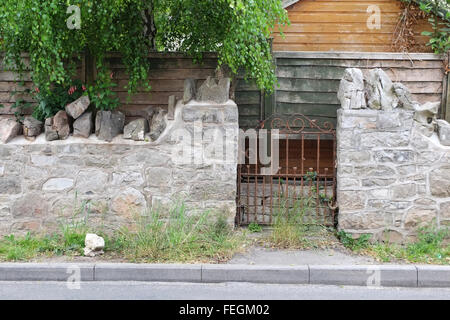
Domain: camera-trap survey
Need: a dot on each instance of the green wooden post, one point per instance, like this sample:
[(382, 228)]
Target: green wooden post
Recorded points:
[(447, 93)]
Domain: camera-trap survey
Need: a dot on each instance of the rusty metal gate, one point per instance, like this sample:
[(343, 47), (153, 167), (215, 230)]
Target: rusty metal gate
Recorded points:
[(304, 183)]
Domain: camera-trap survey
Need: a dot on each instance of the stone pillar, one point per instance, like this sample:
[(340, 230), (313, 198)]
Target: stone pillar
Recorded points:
[(392, 179)]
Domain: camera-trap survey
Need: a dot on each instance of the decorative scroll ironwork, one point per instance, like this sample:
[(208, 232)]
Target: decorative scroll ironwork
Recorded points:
[(295, 124)]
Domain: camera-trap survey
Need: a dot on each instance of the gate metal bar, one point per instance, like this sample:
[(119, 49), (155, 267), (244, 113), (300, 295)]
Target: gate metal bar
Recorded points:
[(304, 185)]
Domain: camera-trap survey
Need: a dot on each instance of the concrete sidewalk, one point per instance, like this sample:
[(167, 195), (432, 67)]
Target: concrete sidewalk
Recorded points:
[(359, 275)]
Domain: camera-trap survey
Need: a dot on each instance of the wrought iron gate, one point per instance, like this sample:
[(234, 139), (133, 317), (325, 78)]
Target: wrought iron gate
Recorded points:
[(304, 184)]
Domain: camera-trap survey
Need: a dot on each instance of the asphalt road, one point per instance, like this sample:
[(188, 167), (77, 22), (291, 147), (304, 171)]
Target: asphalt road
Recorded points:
[(221, 291)]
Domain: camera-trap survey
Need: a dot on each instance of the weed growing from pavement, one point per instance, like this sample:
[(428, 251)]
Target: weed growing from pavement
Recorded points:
[(296, 227), (255, 227), (354, 244), (162, 235), (432, 246), (176, 236)]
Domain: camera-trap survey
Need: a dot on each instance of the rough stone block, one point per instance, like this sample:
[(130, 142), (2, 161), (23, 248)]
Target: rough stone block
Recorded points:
[(32, 127), (83, 126), (388, 121), (136, 130), (443, 132), (417, 217), (190, 89), (351, 90), (395, 156), (109, 124), (404, 191), (78, 107), (58, 184), (158, 124), (364, 220), (9, 129), (440, 182), (380, 91), (57, 127), (211, 91)]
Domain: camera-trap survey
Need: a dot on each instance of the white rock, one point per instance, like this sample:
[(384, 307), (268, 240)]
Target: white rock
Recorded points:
[(351, 90), (380, 91), (94, 245), (443, 132), (9, 129)]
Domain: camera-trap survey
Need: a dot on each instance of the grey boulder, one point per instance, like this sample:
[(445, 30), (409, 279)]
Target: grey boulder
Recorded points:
[(83, 126), (189, 90), (32, 127), (78, 107), (158, 124), (351, 90), (211, 91), (404, 96), (380, 91), (109, 124), (443, 128), (57, 127), (136, 130), (9, 129)]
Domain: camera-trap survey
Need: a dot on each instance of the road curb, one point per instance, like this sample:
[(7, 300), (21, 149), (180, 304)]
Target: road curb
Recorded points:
[(355, 275), (46, 272), (257, 274)]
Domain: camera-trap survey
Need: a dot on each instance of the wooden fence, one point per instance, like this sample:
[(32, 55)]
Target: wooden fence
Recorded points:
[(167, 74), (308, 82)]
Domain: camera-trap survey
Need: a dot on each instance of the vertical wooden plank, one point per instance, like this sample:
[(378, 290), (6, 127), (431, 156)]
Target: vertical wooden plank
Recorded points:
[(83, 68), (447, 94), (262, 102), (90, 68)]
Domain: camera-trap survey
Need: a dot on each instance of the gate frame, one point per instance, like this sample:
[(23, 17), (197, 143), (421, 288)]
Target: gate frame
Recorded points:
[(290, 127)]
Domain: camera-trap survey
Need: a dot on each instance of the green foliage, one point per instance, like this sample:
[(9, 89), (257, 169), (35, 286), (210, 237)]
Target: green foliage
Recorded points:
[(430, 247), (50, 102), (439, 18), (39, 28), (254, 227), (354, 244), (440, 36), (69, 241), (237, 30)]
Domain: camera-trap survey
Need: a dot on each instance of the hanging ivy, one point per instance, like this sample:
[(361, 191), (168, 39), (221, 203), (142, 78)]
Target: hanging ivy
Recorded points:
[(238, 30)]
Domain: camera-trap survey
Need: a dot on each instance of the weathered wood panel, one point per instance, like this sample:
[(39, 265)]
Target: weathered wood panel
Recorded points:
[(308, 82), (342, 25), (167, 75)]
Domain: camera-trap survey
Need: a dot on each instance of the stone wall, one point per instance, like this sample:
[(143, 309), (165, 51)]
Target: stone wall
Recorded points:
[(393, 169), (42, 182)]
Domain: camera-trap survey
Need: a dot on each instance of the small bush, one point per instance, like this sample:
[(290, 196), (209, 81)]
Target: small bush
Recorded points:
[(354, 244), (254, 227)]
